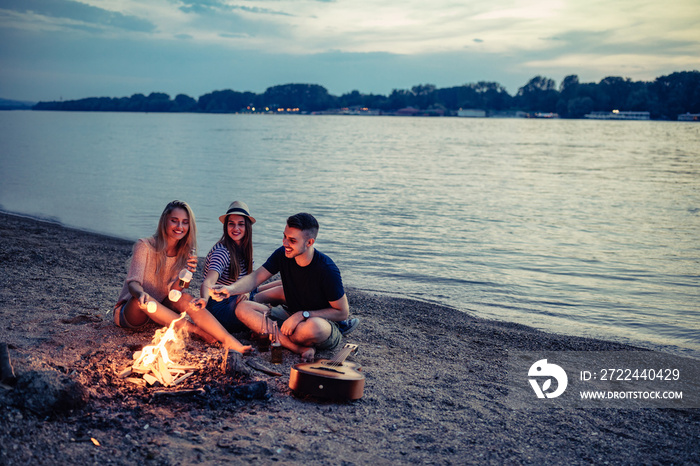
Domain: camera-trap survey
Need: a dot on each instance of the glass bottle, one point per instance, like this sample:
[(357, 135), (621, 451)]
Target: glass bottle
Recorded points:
[(264, 341), (276, 351)]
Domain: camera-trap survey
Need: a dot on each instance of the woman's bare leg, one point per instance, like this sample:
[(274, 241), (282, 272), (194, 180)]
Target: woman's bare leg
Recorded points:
[(207, 324), (163, 315), (271, 294)]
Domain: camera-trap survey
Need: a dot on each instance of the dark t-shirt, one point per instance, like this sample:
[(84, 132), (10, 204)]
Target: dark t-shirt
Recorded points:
[(307, 288)]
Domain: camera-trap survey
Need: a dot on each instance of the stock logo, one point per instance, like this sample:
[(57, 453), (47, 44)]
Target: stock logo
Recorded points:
[(542, 369)]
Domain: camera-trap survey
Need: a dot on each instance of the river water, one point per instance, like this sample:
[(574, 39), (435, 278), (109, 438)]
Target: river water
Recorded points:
[(581, 227)]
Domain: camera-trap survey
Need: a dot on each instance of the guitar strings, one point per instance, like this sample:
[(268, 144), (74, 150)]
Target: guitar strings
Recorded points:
[(340, 357)]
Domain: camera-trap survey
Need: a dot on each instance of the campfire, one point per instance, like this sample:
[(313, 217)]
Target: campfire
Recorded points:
[(157, 365), (158, 362)]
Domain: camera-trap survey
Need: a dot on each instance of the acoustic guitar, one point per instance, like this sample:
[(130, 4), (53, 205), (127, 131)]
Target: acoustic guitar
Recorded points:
[(329, 378)]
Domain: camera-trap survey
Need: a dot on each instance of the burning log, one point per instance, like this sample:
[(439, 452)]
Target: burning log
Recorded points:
[(136, 381), (154, 362), (231, 363), (164, 393), (259, 367), (161, 372), (225, 360), (176, 367), (180, 379), (165, 375), (151, 380)]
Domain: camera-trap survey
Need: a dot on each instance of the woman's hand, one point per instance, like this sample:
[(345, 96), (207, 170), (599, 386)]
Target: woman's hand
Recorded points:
[(198, 304), (219, 292), (192, 263), (144, 298)]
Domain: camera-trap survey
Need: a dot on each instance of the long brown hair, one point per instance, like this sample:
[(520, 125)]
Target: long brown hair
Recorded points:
[(236, 252), (184, 246)]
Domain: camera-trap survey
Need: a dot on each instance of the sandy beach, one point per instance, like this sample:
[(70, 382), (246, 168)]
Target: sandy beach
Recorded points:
[(436, 383)]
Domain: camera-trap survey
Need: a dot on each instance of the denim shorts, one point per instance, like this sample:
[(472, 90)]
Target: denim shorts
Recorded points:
[(225, 313), (120, 318)]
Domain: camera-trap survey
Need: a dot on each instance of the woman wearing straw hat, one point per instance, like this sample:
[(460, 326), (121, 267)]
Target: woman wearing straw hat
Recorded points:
[(154, 267), (230, 259)]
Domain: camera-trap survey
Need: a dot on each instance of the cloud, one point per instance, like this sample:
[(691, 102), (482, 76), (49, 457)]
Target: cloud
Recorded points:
[(392, 26), (93, 18), (218, 6), (258, 10), (233, 35), (195, 46), (200, 6)]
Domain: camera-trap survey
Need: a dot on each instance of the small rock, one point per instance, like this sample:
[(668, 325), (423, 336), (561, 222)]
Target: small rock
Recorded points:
[(49, 392), (251, 391)]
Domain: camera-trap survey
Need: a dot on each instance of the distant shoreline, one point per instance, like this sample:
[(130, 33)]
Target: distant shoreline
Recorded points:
[(682, 118), (666, 98)]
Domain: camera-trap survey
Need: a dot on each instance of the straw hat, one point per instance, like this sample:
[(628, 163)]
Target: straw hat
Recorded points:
[(237, 208)]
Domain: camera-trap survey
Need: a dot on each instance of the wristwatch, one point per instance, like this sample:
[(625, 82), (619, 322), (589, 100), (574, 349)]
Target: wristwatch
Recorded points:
[(306, 314)]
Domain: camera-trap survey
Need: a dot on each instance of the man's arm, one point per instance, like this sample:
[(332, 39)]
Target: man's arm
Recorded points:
[(243, 285), (338, 310)]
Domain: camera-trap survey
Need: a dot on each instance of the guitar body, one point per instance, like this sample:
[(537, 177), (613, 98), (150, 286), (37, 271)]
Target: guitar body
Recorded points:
[(328, 379)]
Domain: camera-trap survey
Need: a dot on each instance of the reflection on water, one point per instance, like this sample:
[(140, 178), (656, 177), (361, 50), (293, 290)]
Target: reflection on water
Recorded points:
[(582, 227)]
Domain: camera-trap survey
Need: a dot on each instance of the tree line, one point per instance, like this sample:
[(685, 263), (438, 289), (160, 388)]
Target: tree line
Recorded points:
[(665, 98)]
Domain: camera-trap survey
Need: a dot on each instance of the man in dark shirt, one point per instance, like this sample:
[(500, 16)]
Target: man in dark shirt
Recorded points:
[(312, 290)]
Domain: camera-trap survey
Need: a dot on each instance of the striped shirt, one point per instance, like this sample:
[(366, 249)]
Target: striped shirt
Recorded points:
[(219, 260)]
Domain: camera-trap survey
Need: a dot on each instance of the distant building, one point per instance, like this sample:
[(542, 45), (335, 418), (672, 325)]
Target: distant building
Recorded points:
[(618, 115), (508, 114), (356, 110), (544, 115), (471, 113), (408, 111), (689, 117)]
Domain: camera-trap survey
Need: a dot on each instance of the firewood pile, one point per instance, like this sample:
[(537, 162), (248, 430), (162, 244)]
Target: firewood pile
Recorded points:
[(155, 363)]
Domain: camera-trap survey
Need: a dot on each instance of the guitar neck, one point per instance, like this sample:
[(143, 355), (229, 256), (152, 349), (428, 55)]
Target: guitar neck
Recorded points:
[(344, 353)]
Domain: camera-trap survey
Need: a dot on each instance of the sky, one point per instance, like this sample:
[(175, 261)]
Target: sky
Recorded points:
[(65, 49)]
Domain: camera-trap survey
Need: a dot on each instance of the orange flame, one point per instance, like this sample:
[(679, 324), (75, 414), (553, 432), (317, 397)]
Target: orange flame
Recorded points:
[(150, 354)]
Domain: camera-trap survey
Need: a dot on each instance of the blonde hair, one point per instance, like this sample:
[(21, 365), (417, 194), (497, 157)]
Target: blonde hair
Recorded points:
[(184, 246)]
